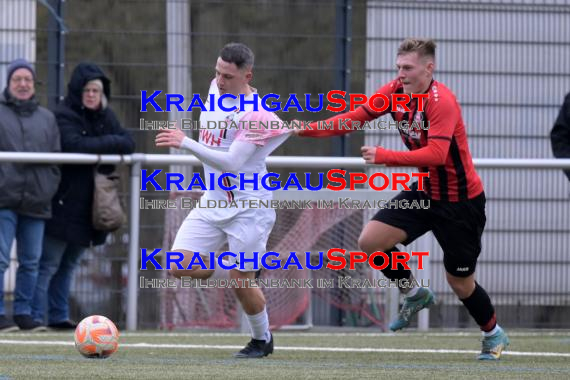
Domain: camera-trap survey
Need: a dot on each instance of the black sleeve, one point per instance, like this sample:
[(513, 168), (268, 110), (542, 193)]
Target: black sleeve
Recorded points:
[(55, 147), (124, 138), (55, 144), (118, 141), (560, 134)]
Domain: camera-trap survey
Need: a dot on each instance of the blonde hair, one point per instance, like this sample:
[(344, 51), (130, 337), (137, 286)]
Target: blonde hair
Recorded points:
[(99, 83), (424, 47)]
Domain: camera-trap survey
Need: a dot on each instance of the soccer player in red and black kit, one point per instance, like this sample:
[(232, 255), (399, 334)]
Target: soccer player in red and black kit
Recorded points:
[(457, 201)]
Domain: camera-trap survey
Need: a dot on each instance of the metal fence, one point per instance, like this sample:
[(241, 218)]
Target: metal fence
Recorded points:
[(542, 292), (507, 62)]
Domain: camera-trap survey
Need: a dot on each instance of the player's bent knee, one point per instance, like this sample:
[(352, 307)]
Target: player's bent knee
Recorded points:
[(378, 236), (463, 287), (237, 274), (178, 273), (371, 244), (365, 244), (174, 273), (181, 266), (194, 273)]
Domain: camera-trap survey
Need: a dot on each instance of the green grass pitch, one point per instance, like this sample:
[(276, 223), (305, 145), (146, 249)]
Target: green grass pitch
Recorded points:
[(309, 355)]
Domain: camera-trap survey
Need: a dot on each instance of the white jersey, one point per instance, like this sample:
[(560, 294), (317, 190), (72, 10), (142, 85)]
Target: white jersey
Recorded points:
[(223, 135)]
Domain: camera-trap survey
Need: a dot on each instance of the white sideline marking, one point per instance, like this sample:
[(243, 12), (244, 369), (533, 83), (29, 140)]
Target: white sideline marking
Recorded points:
[(355, 334), (289, 348), (285, 334)]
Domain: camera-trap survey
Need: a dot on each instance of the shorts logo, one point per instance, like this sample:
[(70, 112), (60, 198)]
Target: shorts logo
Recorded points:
[(462, 269)]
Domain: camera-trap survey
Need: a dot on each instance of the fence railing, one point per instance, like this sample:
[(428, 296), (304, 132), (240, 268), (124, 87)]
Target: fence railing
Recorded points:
[(136, 162)]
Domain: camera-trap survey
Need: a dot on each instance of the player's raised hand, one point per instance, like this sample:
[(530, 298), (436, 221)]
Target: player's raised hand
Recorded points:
[(171, 138), (369, 154)]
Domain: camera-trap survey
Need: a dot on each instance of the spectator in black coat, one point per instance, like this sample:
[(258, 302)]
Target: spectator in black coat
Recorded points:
[(560, 134), (87, 125)]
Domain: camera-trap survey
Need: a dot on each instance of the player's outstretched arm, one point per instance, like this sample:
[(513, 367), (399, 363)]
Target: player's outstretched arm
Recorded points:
[(434, 154), (349, 121), (337, 125), (230, 161), (369, 154), (445, 116)]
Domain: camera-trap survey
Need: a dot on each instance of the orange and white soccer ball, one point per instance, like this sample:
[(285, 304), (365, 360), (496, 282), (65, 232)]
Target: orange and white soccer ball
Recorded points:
[(96, 337)]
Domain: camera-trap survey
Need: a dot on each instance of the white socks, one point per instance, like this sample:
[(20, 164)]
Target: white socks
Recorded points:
[(413, 291), (259, 324), (492, 332)]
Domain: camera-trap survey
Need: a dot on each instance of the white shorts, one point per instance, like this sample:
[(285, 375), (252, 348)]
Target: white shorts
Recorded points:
[(245, 231)]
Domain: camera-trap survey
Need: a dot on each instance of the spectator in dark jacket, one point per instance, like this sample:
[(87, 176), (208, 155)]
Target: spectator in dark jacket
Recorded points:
[(26, 190), (87, 125), (560, 134)]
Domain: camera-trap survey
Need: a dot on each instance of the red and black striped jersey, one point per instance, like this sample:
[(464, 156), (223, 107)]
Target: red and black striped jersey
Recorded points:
[(436, 139)]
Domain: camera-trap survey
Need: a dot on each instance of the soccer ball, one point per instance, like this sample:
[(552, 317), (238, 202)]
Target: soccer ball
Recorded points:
[(96, 337)]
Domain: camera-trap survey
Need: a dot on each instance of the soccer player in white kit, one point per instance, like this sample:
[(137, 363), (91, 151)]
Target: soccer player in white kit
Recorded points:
[(236, 151)]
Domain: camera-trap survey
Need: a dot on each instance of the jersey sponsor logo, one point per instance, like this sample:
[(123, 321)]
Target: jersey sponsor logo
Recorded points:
[(208, 138)]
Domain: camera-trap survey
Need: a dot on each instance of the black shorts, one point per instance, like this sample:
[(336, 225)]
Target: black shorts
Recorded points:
[(457, 226)]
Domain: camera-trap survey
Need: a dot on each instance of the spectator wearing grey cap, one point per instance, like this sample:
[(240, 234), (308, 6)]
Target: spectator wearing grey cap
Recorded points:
[(26, 190)]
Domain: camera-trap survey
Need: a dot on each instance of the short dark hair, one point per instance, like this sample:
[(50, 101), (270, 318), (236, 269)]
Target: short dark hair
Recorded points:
[(237, 53), (424, 47)]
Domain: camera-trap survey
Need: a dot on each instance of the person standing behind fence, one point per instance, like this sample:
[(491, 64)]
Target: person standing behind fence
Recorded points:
[(560, 134), (26, 190), (87, 125)]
